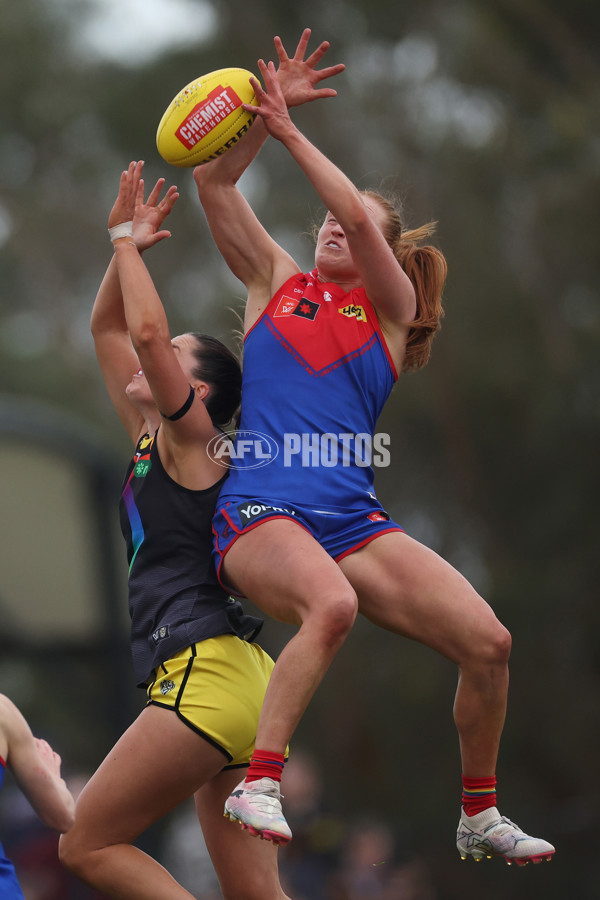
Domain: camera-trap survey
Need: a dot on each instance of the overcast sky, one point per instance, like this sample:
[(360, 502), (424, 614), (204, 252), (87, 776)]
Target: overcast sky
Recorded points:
[(138, 29)]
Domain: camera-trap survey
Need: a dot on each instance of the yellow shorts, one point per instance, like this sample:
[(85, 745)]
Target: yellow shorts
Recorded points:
[(217, 687)]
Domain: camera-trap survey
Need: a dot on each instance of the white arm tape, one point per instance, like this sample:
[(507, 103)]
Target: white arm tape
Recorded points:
[(123, 229)]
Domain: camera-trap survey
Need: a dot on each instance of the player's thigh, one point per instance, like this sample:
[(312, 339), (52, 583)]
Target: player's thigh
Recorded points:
[(407, 588), (246, 866), (286, 572), (154, 766)]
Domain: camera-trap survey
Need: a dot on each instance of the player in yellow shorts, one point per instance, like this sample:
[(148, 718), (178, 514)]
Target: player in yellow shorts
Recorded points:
[(192, 644), (217, 688)]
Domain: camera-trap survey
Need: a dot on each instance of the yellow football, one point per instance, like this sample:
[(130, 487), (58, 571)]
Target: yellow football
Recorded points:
[(206, 118)]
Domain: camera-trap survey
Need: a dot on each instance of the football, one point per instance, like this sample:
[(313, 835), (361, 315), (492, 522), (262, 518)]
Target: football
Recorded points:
[(206, 118)]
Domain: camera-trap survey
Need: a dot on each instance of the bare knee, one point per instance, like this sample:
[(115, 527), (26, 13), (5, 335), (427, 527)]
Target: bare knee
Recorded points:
[(501, 645), (335, 617), (492, 649), (72, 853)]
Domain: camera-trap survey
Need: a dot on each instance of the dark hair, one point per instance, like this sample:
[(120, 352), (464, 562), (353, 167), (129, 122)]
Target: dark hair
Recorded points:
[(221, 370), (426, 267)]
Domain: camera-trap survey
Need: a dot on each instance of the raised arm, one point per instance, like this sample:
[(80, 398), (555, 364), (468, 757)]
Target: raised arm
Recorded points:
[(36, 768), (114, 350), (387, 286), (252, 255), (181, 441)]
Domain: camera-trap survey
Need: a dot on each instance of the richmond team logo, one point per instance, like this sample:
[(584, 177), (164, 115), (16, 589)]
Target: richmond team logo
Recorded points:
[(160, 633)]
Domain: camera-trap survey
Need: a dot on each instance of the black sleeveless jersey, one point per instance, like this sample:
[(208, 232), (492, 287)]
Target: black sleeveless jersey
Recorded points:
[(174, 597)]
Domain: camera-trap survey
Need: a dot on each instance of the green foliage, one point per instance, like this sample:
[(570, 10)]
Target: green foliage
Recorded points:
[(485, 118)]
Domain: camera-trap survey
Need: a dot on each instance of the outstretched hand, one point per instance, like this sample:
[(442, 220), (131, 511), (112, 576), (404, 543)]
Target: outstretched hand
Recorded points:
[(298, 82), (272, 107), (147, 217), (293, 83), (298, 77)]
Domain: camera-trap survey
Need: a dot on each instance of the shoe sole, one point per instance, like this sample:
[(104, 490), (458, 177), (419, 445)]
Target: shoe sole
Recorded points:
[(266, 835), (518, 861)]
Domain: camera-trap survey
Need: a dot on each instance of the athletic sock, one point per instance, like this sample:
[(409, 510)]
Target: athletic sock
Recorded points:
[(478, 794), (265, 764)]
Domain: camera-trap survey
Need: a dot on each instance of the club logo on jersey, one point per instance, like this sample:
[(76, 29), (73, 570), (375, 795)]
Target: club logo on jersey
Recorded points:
[(252, 509), (291, 306), (380, 516), (167, 685), (160, 633), (286, 306), (141, 468), (354, 312), (306, 309)]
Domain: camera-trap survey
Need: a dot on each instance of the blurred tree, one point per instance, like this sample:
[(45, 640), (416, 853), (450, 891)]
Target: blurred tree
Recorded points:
[(485, 118)]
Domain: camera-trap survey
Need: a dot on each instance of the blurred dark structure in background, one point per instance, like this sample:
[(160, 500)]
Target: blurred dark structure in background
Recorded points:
[(481, 116)]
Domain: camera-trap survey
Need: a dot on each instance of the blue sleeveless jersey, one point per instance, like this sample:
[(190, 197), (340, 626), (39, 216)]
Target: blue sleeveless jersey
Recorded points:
[(316, 374), (9, 885)]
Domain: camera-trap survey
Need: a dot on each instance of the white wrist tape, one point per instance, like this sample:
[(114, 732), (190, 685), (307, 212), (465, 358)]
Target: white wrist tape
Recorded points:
[(123, 229)]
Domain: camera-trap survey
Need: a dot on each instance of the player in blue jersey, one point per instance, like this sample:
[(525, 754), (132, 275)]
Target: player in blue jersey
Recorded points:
[(298, 527), (36, 769)]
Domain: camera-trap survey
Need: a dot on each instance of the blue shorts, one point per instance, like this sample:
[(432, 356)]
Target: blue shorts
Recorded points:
[(339, 530)]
